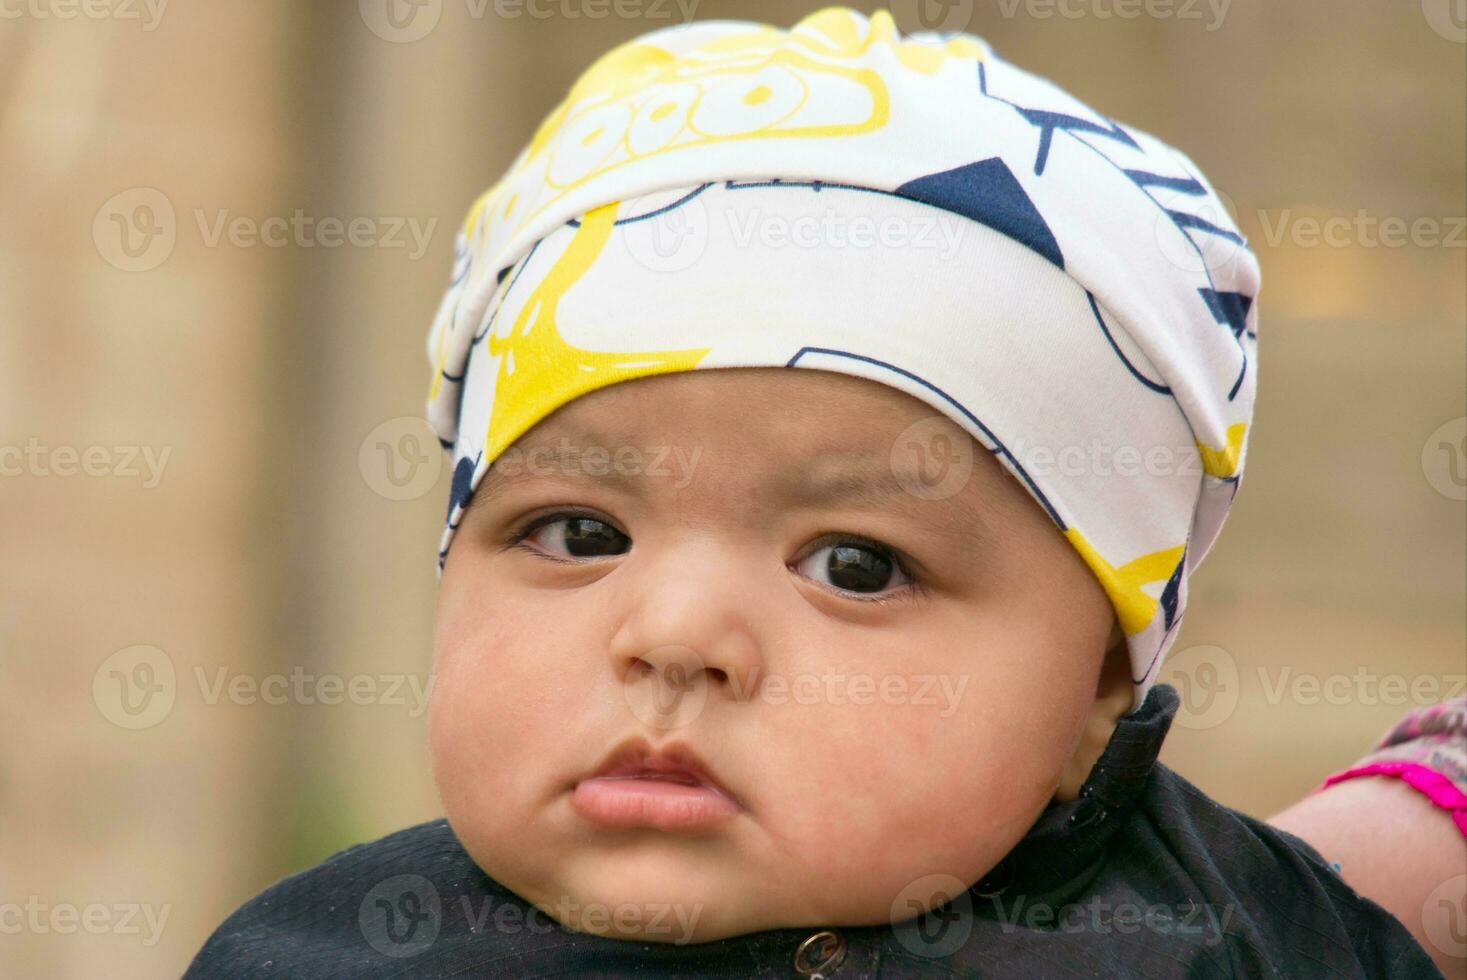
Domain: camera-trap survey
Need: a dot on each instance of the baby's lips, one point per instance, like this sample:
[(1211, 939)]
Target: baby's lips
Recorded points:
[(675, 763), (668, 789)]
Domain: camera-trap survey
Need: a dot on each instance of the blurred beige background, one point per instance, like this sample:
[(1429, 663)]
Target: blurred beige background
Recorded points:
[(205, 416)]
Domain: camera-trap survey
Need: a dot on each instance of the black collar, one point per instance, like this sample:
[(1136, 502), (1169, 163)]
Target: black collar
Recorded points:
[(1066, 847)]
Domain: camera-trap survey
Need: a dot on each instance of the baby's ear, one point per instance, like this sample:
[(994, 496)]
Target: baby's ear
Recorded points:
[(1112, 700)]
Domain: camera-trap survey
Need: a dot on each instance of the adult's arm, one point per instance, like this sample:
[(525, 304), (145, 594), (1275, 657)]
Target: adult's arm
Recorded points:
[(1396, 825)]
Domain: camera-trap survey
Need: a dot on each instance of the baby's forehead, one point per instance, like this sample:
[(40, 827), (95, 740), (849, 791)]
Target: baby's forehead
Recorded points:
[(783, 415), (781, 454)]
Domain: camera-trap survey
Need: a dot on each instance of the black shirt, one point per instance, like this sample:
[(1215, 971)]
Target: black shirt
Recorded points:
[(1141, 876)]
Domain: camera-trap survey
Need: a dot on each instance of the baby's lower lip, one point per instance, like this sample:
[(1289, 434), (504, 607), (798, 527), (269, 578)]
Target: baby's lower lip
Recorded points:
[(648, 801)]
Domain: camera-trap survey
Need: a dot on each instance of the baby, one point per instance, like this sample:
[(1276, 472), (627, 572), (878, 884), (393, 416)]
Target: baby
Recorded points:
[(837, 418)]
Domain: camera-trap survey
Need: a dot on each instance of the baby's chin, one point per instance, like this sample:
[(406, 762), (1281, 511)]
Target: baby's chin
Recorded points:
[(661, 891), (649, 890), (652, 906)]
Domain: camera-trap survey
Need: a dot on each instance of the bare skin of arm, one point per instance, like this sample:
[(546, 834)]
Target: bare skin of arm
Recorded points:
[(1396, 849)]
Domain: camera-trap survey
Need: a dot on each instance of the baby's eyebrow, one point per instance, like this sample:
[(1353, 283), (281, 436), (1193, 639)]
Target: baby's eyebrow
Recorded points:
[(859, 480), (868, 482), (566, 460), (841, 478)]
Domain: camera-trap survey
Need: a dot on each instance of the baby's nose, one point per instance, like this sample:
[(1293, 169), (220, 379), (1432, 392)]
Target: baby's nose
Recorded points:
[(676, 665), (688, 628), (730, 667), (669, 686)]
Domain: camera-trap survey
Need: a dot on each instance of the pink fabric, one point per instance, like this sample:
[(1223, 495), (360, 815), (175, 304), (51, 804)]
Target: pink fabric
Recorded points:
[(1440, 790)]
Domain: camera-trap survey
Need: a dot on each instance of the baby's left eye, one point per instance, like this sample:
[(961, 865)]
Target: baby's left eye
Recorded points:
[(571, 536), (853, 567)]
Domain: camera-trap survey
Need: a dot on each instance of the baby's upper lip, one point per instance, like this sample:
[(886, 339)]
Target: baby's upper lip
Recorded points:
[(676, 761)]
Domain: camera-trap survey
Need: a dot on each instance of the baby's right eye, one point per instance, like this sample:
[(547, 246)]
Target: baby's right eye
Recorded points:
[(571, 536)]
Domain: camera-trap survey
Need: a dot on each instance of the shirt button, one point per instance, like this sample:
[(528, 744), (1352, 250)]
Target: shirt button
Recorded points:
[(820, 953)]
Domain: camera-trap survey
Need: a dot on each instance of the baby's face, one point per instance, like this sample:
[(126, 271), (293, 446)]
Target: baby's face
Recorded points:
[(770, 677)]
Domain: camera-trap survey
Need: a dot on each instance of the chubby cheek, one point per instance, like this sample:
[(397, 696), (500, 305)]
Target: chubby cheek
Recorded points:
[(497, 697), (943, 779)]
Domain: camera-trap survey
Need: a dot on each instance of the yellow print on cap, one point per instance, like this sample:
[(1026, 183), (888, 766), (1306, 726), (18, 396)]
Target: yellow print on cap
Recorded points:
[(1134, 608), (538, 371), (640, 100), (1224, 462)]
